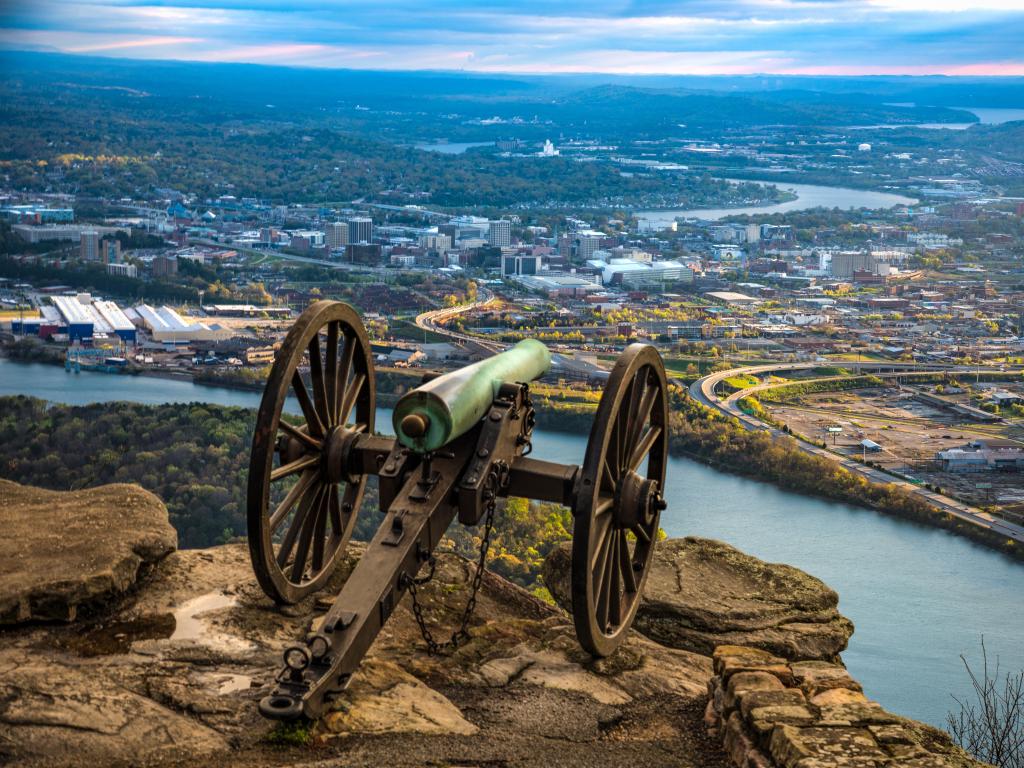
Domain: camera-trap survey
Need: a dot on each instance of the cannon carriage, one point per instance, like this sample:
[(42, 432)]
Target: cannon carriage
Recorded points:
[(462, 441)]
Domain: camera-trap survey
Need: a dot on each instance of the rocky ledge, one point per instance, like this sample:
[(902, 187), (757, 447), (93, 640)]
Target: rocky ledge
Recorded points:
[(168, 672), (703, 593), (61, 551)]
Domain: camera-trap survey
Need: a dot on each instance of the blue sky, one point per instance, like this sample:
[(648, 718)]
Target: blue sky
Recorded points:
[(840, 37)]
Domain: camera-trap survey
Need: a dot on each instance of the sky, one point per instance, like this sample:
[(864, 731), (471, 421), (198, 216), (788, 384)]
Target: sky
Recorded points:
[(700, 37)]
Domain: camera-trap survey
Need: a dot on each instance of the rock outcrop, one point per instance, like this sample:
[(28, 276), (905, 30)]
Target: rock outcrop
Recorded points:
[(63, 550), (703, 593), (170, 674), (167, 671)]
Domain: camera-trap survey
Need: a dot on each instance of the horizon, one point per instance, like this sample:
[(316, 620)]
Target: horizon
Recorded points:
[(787, 38)]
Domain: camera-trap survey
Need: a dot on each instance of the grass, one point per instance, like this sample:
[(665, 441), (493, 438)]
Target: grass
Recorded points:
[(741, 382), (293, 734)]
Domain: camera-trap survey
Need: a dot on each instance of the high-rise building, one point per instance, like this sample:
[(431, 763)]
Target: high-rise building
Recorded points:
[(586, 242), (336, 235), (435, 242), (499, 233), (360, 230), (845, 263), (110, 251), (520, 264), (164, 266), (90, 245), (452, 230), (363, 253)]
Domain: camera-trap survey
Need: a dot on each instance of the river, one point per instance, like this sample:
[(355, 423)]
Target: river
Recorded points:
[(452, 148), (918, 596), (807, 196)]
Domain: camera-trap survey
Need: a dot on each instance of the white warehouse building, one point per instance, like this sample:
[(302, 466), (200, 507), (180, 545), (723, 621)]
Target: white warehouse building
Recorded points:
[(167, 326)]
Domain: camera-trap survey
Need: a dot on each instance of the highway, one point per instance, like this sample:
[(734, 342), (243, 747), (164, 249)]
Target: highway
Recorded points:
[(703, 391), (561, 365)]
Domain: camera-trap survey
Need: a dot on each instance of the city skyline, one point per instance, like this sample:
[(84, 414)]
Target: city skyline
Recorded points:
[(793, 37)]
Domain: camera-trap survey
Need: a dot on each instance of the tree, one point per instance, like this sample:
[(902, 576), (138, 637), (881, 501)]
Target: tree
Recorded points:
[(992, 726)]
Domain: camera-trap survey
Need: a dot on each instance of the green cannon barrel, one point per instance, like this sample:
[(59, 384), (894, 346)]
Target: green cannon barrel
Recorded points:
[(437, 412)]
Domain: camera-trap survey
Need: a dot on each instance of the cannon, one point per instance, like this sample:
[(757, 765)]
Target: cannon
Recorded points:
[(462, 441)]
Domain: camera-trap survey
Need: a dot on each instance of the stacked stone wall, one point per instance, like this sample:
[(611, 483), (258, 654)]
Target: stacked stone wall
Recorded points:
[(773, 713)]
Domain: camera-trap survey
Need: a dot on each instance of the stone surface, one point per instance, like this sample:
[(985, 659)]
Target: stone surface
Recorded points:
[(703, 593), (170, 675), (64, 550), (774, 714)]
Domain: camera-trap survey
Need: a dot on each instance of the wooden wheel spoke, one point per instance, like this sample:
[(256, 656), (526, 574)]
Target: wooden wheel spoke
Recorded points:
[(643, 412), (316, 427), (608, 481), (642, 536), (601, 527), (631, 413), (292, 534), (349, 399), (626, 566), (344, 371), (614, 605), (298, 434), (292, 467), (316, 377), (309, 524), (331, 373), (644, 447), (603, 593), (334, 512), (294, 495), (320, 531)]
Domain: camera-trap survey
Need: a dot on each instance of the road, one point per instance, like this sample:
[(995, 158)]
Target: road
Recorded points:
[(561, 365), (703, 391)]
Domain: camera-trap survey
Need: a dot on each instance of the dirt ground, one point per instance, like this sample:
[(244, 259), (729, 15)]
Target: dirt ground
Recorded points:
[(910, 434)]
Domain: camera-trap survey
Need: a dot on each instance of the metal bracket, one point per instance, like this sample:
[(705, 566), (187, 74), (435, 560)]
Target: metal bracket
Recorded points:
[(396, 531), (342, 621)]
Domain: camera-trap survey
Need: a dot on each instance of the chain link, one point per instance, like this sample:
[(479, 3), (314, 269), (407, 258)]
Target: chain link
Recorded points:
[(460, 635)]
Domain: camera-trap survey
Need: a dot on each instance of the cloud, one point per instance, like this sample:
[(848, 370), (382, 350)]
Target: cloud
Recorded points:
[(655, 36)]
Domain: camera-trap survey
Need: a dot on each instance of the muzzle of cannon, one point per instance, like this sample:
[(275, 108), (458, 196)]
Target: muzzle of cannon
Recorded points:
[(462, 443)]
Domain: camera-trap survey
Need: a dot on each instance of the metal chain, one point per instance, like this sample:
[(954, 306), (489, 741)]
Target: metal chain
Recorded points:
[(460, 635)]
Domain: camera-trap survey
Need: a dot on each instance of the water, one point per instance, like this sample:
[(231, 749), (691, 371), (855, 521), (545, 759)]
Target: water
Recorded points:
[(925, 126), (808, 196), (995, 115), (918, 596), (456, 148)]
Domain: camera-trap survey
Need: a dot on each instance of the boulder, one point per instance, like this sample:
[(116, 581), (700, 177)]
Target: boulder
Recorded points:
[(64, 550), (703, 593)]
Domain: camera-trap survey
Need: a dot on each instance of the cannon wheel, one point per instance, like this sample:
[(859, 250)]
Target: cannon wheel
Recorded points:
[(301, 504), (619, 500)]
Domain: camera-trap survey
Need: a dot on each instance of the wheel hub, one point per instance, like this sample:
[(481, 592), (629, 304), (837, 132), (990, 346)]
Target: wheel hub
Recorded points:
[(638, 501), (338, 447)]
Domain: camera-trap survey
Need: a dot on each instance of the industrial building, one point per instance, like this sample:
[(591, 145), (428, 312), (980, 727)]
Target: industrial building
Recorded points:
[(168, 327), (76, 317), (633, 273), (116, 319), (983, 455)]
